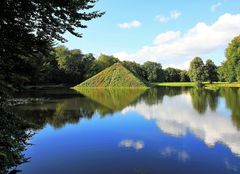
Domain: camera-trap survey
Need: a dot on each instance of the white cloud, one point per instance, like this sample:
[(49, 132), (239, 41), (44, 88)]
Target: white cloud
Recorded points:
[(128, 143), (182, 155), (176, 49), (167, 37), (173, 15), (128, 25), (214, 7), (177, 120)]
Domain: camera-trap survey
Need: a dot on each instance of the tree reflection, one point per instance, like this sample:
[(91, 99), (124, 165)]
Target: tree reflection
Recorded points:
[(106, 101), (232, 98), (201, 99), (14, 135), (58, 113), (212, 98)]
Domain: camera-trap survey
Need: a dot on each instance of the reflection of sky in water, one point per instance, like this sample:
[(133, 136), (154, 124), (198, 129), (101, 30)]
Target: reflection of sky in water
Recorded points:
[(128, 143), (167, 137), (181, 155), (222, 110), (177, 116)]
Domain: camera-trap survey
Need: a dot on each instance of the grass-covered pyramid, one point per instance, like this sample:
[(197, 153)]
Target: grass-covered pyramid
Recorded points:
[(116, 76)]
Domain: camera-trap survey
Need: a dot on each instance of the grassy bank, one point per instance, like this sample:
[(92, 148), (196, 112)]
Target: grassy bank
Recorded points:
[(184, 84), (206, 84)]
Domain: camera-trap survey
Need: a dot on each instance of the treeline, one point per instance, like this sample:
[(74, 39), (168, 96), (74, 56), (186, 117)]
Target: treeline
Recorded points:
[(64, 66), (228, 71), (72, 67)]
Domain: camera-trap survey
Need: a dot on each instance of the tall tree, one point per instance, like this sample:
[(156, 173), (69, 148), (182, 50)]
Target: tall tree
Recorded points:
[(211, 71), (184, 77), (172, 75), (105, 61), (29, 28), (222, 72), (233, 60), (197, 70), (154, 71), (135, 68)]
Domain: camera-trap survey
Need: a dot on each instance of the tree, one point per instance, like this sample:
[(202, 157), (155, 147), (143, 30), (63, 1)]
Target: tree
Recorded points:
[(154, 72), (233, 60), (197, 70), (172, 75), (70, 62), (211, 71), (222, 72), (28, 28), (184, 77), (105, 61), (14, 134), (89, 66), (135, 68), (76, 65)]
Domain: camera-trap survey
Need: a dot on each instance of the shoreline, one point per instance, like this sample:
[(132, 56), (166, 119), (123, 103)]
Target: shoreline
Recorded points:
[(207, 85)]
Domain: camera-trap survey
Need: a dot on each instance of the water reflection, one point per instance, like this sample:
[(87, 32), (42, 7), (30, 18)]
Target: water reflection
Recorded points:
[(175, 111), (113, 99), (230, 166), (189, 112), (129, 143), (71, 110), (181, 155)]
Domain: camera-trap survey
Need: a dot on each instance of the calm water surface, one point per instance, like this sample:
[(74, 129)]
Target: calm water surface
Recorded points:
[(162, 130)]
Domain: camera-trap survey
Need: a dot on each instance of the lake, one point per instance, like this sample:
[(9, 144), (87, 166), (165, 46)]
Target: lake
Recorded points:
[(160, 130)]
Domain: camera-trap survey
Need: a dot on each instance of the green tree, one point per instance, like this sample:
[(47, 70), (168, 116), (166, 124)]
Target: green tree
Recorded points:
[(49, 71), (222, 72), (76, 65), (105, 61), (172, 75), (70, 62), (135, 68), (28, 29), (233, 60), (154, 72), (89, 66), (197, 70), (211, 71), (184, 77)]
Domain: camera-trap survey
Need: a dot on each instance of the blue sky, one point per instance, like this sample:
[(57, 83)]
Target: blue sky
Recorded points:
[(169, 32)]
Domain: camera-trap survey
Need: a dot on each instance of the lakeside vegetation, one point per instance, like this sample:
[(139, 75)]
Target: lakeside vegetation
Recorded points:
[(29, 32), (207, 85)]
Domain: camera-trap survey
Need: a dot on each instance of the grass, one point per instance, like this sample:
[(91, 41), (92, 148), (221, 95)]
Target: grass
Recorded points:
[(116, 76), (187, 84), (207, 85)]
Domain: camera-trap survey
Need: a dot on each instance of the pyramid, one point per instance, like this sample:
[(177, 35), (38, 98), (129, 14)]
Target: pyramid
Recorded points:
[(116, 76)]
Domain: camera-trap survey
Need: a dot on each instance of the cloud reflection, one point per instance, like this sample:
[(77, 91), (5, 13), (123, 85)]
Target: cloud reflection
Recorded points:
[(128, 143), (182, 155), (230, 166), (176, 116)]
